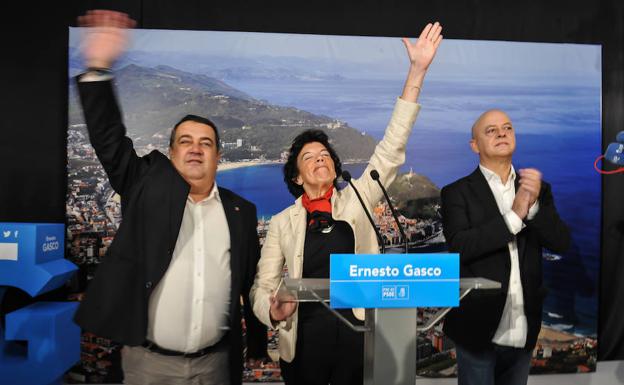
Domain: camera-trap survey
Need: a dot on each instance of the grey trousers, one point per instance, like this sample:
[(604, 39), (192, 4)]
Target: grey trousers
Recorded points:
[(143, 367)]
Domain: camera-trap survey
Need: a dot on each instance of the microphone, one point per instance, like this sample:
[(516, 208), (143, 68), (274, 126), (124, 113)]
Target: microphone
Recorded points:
[(346, 176), (375, 175), (615, 152)]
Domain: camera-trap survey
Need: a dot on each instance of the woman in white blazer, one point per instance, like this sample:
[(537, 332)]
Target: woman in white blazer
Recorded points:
[(314, 346)]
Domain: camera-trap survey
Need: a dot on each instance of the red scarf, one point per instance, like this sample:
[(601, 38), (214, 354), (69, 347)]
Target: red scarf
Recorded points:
[(321, 206)]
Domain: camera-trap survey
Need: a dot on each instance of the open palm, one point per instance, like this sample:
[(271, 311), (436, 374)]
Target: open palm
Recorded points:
[(422, 52), (105, 37)]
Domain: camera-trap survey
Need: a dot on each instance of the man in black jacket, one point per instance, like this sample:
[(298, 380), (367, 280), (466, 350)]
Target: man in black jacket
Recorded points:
[(170, 285), (499, 221)]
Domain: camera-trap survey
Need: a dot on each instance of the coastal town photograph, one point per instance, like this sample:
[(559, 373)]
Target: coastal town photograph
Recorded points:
[(261, 90)]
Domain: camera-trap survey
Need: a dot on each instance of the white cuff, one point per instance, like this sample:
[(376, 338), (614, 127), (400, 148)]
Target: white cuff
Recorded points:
[(95, 76), (533, 210), (513, 221)]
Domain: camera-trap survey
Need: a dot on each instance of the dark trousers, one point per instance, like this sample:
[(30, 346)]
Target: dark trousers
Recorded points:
[(497, 365), (327, 352)]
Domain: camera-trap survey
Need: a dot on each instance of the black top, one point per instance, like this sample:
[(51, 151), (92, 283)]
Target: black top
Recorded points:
[(318, 246)]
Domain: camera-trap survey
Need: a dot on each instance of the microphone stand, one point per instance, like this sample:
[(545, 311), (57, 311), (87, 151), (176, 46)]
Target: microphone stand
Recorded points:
[(346, 176), (375, 175)]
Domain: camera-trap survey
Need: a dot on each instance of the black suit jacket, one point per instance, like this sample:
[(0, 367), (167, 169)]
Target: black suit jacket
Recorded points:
[(475, 228), (153, 197)]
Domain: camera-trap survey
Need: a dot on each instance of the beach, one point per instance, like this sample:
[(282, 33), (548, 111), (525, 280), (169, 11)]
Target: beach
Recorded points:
[(224, 166)]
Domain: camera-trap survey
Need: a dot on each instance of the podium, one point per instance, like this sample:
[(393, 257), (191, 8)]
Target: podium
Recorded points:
[(390, 334)]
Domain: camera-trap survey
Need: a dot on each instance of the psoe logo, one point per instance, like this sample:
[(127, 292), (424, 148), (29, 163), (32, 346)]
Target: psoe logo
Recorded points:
[(395, 292), (50, 244), (388, 292)]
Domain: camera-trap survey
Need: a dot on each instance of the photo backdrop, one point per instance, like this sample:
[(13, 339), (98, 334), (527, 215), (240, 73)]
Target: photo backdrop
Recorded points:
[(262, 89)]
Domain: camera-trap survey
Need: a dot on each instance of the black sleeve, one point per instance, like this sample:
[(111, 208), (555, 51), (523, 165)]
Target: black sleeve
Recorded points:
[(470, 241), (256, 331), (551, 230), (107, 134)]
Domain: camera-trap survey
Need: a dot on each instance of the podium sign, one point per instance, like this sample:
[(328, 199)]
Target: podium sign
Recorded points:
[(394, 280)]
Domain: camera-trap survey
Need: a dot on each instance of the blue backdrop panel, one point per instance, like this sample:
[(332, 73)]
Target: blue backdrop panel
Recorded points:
[(41, 341), (32, 257)]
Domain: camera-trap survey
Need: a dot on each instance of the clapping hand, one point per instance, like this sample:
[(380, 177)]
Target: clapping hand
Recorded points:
[(529, 188)]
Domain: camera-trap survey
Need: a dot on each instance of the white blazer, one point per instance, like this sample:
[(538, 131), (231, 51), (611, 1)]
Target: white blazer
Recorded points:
[(286, 236)]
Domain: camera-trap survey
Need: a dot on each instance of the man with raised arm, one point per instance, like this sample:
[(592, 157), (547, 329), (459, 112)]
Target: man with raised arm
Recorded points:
[(170, 285)]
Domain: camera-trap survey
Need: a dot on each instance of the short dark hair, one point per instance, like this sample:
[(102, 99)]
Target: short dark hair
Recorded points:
[(198, 119), (290, 168)]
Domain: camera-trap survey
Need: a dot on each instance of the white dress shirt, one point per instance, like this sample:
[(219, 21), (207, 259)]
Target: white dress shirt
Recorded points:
[(512, 328), (189, 308)]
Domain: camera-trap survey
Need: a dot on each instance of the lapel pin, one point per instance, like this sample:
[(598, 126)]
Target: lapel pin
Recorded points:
[(236, 208)]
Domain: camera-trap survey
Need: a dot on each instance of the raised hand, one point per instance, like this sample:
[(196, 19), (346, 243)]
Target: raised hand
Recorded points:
[(105, 37), (420, 55), (422, 52)]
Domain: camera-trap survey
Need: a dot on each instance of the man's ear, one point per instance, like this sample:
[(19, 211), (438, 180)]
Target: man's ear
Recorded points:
[(473, 146)]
